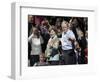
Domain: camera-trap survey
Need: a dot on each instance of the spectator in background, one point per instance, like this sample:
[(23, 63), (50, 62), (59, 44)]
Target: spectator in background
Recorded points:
[(42, 61), (83, 45), (73, 25), (30, 24), (44, 33), (38, 20)]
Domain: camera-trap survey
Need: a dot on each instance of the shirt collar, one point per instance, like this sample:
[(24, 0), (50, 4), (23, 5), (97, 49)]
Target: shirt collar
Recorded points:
[(65, 32)]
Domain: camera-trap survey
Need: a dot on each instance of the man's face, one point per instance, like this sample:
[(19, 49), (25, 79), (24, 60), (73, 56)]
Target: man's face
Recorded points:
[(65, 28)]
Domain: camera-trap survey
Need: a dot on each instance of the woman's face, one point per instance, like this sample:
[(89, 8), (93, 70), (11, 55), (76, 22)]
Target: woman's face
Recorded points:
[(35, 32), (52, 33)]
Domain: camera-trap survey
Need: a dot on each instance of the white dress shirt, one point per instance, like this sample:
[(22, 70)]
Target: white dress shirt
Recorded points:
[(66, 43)]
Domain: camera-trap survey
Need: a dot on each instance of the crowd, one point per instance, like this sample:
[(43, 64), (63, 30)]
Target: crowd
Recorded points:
[(55, 40)]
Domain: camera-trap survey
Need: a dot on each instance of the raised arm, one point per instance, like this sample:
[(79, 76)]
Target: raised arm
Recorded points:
[(30, 37)]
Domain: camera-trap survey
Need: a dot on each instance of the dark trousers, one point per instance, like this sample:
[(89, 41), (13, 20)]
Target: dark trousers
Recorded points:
[(69, 57), (54, 62), (34, 59)]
